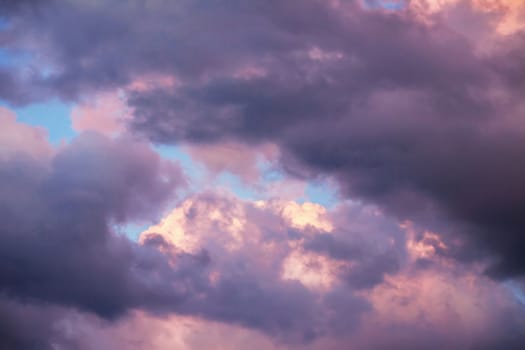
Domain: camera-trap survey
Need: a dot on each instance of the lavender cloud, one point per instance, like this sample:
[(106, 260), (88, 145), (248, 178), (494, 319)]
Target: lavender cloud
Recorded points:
[(59, 249), (57, 244), (269, 266), (407, 112), (412, 112)]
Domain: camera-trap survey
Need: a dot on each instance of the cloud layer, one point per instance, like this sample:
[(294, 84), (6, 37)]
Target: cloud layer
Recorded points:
[(409, 109), (413, 108)]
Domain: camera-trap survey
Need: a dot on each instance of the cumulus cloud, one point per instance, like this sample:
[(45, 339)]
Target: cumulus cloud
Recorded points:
[(414, 108), (420, 135), (254, 249), (363, 273), (404, 107), (290, 275), (17, 139), (251, 271), (57, 245)]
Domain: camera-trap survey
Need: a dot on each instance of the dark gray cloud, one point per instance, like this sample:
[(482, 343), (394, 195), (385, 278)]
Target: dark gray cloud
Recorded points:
[(8, 7), (56, 239), (421, 120), (30, 328), (406, 116), (413, 117)]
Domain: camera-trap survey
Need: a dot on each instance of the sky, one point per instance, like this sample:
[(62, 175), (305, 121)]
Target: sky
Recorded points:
[(275, 175)]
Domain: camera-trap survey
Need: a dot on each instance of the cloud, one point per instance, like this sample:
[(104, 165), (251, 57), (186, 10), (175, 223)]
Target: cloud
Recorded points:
[(296, 275), (104, 114), (58, 247), (17, 139), (253, 248), (56, 216), (441, 307), (234, 263), (236, 158), (10, 6), (24, 326), (410, 117), (416, 112), (409, 114)]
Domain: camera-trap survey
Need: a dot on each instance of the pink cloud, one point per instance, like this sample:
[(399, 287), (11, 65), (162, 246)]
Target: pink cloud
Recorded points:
[(507, 15), (106, 113), (236, 158), (19, 138), (454, 305)]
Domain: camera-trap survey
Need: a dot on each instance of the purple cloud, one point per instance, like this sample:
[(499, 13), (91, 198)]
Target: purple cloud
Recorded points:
[(413, 112)]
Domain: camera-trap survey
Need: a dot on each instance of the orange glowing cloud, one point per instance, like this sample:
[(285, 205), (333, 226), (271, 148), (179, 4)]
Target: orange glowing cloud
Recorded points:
[(509, 14)]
